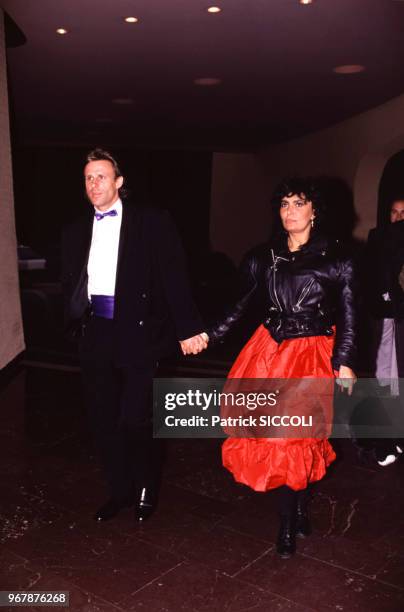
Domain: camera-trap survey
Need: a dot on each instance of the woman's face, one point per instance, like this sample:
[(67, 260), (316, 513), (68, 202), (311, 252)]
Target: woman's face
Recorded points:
[(296, 213)]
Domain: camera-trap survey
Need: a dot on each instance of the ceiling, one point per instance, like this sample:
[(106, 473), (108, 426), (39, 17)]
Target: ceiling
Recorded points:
[(275, 59)]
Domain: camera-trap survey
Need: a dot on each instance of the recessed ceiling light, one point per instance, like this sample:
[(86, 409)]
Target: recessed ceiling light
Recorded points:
[(61, 31), (305, 1), (206, 81), (214, 9), (122, 101), (349, 69), (131, 19)]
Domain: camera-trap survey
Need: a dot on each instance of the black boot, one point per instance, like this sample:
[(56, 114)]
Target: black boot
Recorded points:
[(303, 526), (286, 542)]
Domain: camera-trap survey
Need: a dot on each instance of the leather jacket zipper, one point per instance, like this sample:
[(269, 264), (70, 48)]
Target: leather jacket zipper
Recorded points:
[(305, 291), (275, 259)]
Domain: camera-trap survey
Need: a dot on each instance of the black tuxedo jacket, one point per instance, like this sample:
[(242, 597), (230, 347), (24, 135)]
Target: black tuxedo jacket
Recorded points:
[(153, 303), (385, 258)]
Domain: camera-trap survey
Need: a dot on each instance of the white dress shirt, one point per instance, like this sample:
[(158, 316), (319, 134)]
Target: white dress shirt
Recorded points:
[(103, 257)]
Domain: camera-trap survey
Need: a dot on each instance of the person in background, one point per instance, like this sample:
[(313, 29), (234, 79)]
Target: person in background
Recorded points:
[(385, 297)]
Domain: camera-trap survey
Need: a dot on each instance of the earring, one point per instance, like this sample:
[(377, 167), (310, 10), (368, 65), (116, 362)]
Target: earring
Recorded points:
[(312, 222)]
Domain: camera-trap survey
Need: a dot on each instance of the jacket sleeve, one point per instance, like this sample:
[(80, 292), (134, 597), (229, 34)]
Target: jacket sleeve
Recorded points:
[(74, 284), (171, 261), (345, 348), (246, 287), (377, 273), (64, 256), (66, 274)]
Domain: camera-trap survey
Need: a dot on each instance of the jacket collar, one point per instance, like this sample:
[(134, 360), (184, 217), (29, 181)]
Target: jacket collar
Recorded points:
[(318, 243)]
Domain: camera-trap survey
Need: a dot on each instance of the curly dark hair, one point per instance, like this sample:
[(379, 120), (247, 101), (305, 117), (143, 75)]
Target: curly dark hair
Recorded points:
[(300, 186)]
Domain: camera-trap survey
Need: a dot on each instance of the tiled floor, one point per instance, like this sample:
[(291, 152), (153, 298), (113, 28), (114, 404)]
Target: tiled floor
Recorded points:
[(210, 545)]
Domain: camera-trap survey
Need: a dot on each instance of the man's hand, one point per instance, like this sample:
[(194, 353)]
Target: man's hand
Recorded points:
[(346, 379), (194, 345)]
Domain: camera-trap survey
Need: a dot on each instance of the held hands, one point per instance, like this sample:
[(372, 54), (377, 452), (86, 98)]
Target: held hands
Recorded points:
[(194, 345), (346, 379)]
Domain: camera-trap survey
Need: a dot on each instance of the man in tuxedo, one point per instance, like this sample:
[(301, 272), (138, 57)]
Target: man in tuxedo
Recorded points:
[(128, 300)]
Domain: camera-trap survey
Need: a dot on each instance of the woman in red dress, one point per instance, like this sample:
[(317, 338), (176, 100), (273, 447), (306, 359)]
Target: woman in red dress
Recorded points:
[(302, 284)]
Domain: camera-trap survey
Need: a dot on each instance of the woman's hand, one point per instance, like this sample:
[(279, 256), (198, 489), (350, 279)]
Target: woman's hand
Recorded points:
[(346, 379)]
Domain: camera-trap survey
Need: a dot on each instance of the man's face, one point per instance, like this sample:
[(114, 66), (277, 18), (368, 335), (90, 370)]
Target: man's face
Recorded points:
[(101, 184), (397, 211)]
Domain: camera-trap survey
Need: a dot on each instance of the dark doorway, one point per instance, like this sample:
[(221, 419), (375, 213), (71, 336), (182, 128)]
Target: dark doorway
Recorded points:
[(391, 187)]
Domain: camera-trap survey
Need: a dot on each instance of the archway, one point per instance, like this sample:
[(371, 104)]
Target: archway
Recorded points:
[(391, 186), (367, 183)]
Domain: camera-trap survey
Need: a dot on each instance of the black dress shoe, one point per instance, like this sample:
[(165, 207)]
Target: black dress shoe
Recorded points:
[(286, 542), (145, 505), (109, 510)]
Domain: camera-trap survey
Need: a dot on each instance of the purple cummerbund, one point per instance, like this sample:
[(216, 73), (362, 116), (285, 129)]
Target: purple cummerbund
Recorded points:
[(103, 306)]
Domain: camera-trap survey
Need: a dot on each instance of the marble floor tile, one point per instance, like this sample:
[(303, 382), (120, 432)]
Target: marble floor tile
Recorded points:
[(364, 558), (190, 586), (123, 569), (80, 600), (210, 544), (111, 569), (223, 550), (322, 586), (22, 511), (15, 572)]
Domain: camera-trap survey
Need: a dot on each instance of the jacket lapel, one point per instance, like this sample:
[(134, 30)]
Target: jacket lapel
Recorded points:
[(129, 239), (85, 239), (124, 235)]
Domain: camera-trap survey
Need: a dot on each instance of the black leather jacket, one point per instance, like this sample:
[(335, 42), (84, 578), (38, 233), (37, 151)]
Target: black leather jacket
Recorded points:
[(299, 294)]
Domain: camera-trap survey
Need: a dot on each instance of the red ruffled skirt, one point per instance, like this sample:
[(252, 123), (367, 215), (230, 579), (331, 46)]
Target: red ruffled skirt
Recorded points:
[(267, 463)]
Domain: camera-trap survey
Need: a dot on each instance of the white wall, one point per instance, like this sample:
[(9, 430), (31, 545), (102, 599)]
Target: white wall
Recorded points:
[(355, 150), (11, 334)]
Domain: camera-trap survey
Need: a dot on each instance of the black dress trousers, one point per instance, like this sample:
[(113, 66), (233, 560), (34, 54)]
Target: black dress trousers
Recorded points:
[(119, 404)]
